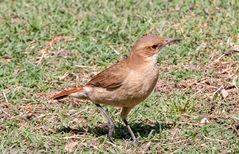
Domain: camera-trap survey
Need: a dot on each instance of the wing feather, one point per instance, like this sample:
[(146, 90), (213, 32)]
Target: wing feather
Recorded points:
[(112, 77)]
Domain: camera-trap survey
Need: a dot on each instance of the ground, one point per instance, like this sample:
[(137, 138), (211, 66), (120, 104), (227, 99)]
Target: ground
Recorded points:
[(48, 46)]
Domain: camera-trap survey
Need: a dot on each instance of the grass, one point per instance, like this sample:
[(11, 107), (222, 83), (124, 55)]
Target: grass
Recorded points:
[(47, 46)]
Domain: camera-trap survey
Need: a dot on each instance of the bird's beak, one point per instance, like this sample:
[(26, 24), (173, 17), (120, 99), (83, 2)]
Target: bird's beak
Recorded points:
[(171, 41)]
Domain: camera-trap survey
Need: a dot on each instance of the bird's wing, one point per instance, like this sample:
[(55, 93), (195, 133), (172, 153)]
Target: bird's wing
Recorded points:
[(112, 77)]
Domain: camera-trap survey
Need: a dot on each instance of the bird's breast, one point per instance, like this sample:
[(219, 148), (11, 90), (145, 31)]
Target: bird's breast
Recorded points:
[(142, 82), (135, 88)]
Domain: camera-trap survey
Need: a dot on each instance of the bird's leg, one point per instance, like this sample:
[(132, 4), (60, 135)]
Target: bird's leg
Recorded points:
[(109, 120), (135, 142), (124, 114)]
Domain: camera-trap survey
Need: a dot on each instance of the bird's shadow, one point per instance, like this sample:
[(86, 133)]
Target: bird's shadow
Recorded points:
[(121, 132)]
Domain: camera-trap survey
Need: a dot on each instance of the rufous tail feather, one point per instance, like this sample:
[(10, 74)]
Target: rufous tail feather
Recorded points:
[(66, 93)]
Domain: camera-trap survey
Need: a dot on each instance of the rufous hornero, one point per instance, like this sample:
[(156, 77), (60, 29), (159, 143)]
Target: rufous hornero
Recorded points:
[(126, 83)]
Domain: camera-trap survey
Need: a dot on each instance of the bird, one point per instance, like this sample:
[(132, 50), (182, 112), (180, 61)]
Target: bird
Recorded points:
[(126, 83)]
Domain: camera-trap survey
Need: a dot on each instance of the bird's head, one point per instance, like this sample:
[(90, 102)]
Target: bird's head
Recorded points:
[(151, 45)]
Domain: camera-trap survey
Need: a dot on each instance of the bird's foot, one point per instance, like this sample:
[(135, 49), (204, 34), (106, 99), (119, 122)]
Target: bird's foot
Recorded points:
[(135, 142), (111, 131)]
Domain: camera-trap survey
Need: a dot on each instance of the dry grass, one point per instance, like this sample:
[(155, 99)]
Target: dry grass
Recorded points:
[(49, 46)]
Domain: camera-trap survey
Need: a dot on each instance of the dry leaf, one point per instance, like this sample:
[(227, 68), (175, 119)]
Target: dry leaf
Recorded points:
[(224, 93), (70, 146), (204, 120), (204, 26)]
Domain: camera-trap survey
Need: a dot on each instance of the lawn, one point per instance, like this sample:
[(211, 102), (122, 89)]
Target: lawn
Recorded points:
[(50, 45)]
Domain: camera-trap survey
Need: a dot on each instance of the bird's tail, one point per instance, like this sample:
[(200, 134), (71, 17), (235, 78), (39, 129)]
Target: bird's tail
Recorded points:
[(76, 92)]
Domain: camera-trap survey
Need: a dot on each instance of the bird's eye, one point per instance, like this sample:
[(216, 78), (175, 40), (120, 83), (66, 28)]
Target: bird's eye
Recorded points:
[(154, 46)]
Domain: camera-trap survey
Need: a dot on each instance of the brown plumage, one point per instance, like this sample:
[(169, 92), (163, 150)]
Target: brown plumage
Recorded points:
[(112, 77), (126, 83)]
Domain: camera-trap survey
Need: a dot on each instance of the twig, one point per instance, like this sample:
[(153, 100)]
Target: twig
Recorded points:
[(227, 52), (64, 76), (117, 52), (5, 96), (6, 113), (217, 140), (175, 131), (189, 123), (82, 66), (174, 142), (7, 103), (146, 147), (217, 91), (72, 137), (218, 59)]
